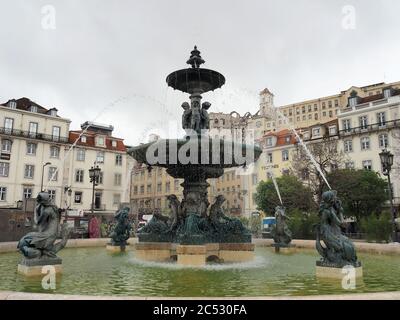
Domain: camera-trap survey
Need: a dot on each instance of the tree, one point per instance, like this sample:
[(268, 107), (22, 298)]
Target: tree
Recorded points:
[(295, 195), (362, 192), (326, 154)]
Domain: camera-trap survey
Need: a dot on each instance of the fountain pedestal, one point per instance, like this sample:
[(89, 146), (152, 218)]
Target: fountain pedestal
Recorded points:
[(115, 249), (39, 267), (285, 249), (327, 272)]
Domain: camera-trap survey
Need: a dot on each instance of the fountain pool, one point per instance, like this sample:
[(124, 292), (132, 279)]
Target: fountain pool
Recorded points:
[(93, 271)]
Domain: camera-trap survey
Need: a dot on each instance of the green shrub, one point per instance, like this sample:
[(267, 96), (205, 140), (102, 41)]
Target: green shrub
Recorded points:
[(376, 228), (301, 224)]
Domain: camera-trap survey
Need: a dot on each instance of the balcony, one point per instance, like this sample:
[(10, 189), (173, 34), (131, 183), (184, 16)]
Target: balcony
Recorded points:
[(32, 135), (370, 128)]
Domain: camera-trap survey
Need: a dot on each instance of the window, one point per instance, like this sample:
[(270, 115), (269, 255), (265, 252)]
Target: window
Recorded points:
[(324, 114), (159, 187), (135, 190), (101, 177), (315, 107), (34, 109), (176, 184), (3, 193), (254, 179), (53, 112), (6, 145), (53, 174), (363, 121), (4, 169), (381, 118), (336, 103), (27, 193), (330, 104), (148, 190), (348, 146), (80, 154), (365, 143), (353, 101), (330, 114), (12, 105), (117, 179), (118, 160), (303, 109), (141, 189), (367, 164), (269, 157), (383, 140), (285, 155), (332, 130), (54, 152), (116, 199), (346, 125), (315, 116), (31, 148), (56, 133), (387, 92), (79, 175), (114, 143), (83, 139), (269, 142), (323, 105), (52, 195), (78, 197), (8, 125), (33, 129), (100, 157), (316, 132), (349, 165), (29, 171), (309, 108), (100, 141), (167, 187)]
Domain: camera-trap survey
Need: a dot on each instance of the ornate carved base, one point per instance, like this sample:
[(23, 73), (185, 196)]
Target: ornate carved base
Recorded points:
[(195, 255), (115, 249), (337, 273), (38, 267), (284, 248)]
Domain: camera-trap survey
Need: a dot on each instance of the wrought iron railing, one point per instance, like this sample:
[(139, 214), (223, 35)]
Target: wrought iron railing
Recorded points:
[(33, 135), (370, 127)]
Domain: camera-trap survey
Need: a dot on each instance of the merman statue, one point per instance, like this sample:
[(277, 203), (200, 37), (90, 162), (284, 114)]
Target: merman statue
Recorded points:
[(121, 232), (280, 232), (41, 244)]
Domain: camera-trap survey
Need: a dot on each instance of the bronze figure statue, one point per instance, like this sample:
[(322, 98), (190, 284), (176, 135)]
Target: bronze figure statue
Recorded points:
[(335, 248), (121, 232), (280, 232), (41, 244)]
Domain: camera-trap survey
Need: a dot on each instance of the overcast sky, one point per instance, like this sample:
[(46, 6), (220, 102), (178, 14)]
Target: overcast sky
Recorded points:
[(102, 52)]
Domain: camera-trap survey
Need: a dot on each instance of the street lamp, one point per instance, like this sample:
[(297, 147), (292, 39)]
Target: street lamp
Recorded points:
[(41, 184), (387, 162), (94, 175)]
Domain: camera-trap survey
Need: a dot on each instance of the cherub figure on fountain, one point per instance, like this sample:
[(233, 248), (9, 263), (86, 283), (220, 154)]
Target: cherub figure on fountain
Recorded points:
[(338, 251)]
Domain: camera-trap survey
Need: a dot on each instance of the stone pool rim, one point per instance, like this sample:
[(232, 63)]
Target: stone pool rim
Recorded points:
[(377, 248)]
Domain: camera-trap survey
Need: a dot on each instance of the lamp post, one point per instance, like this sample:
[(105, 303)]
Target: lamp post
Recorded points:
[(94, 174), (387, 162), (41, 184)]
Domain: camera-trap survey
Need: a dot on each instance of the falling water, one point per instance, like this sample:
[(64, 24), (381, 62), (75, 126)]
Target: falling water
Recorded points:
[(310, 156), (276, 186)]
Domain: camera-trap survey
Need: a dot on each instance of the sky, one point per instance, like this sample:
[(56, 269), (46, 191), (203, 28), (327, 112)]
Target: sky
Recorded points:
[(107, 61)]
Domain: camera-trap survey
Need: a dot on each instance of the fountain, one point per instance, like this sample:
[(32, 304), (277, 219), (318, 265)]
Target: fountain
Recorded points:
[(194, 233)]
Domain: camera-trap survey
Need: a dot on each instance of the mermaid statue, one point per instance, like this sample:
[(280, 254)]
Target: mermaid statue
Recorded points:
[(280, 232), (40, 247), (336, 249), (121, 232)]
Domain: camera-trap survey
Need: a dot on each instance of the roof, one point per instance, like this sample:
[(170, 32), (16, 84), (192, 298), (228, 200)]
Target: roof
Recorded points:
[(90, 141), (25, 104)]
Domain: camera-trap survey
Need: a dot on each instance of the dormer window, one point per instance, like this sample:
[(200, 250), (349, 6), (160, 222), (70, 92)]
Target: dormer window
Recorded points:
[(114, 143), (53, 112), (306, 135), (34, 109), (100, 141), (269, 142), (353, 99), (83, 139), (332, 130), (316, 132), (387, 93), (12, 105), (287, 139)]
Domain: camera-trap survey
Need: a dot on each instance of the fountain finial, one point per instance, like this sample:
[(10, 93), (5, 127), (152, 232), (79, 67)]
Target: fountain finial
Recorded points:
[(195, 59)]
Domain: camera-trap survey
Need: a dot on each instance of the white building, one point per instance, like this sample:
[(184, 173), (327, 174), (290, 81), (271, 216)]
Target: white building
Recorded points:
[(31, 137), (369, 125), (95, 146)]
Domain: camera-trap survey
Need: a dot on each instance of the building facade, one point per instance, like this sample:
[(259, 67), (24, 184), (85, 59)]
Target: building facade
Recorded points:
[(34, 141)]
